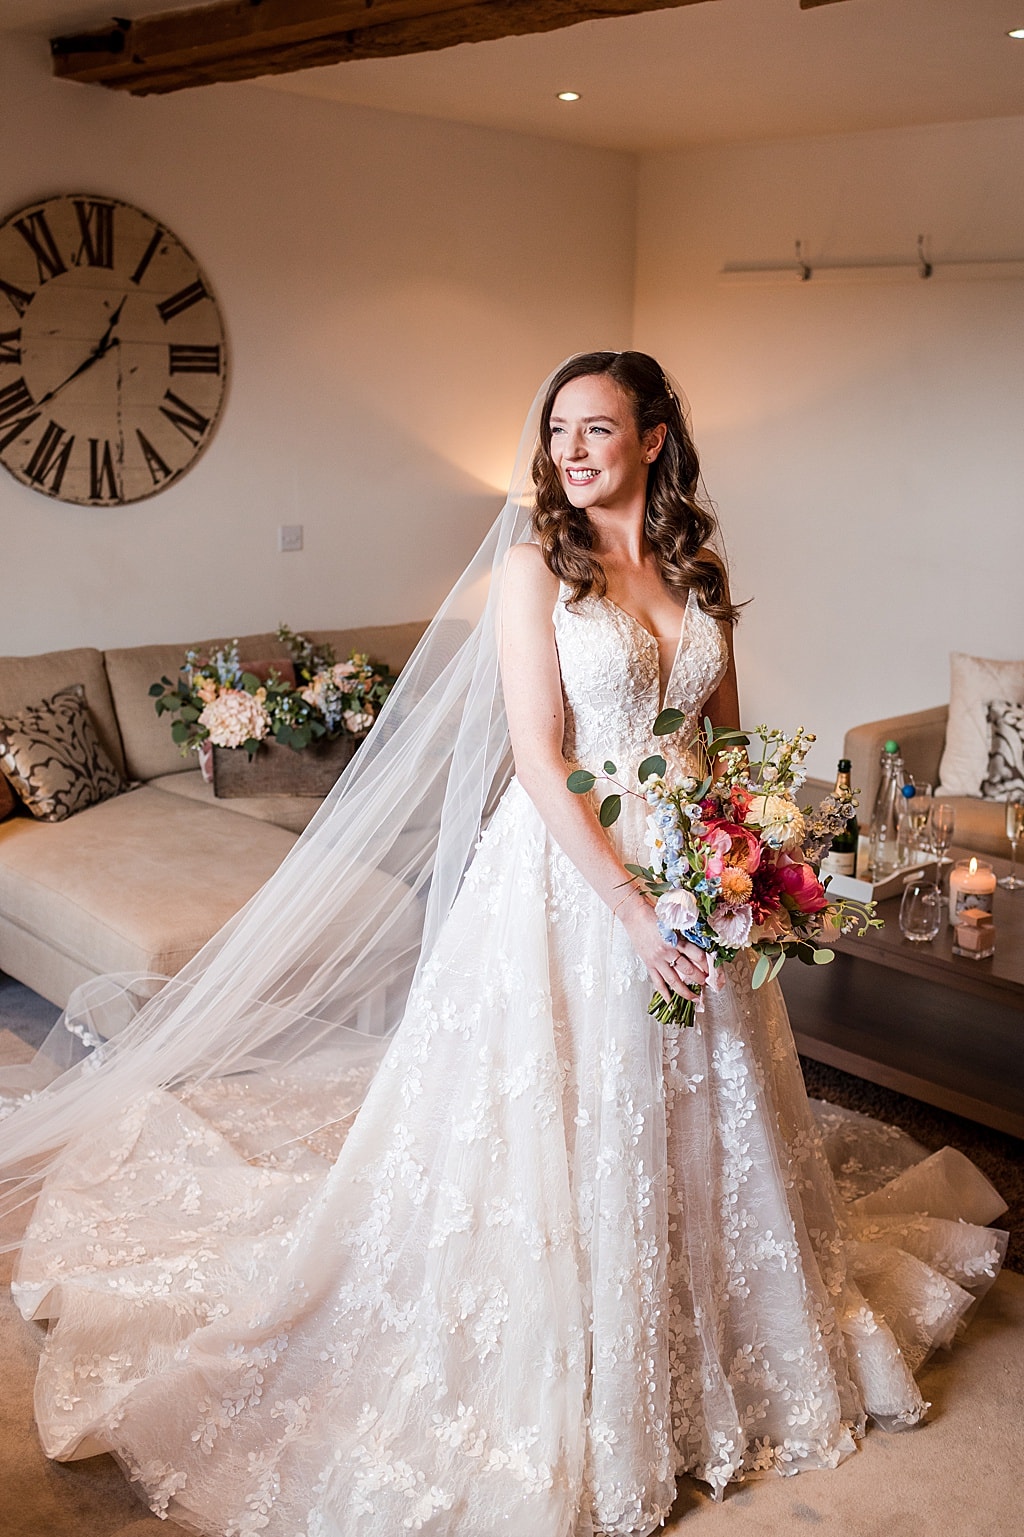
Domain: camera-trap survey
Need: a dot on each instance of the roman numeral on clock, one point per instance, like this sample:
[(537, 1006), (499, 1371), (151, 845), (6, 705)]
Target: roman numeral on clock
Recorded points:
[(18, 296), (15, 399), (50, 459), (37, 234), (188, 360), (96, 225), (182, 300), (103, 485), (147, 256), (10, 346), (158, 470), (189, 422)]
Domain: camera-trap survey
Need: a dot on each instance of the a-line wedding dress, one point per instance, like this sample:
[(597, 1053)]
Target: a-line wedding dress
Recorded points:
[(561, 1256)]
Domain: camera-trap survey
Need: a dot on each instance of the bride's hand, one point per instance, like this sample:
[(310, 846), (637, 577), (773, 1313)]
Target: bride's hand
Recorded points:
[(671, 969)]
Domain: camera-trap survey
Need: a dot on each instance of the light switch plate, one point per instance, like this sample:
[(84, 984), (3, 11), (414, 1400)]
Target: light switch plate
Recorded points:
[(289, 537)]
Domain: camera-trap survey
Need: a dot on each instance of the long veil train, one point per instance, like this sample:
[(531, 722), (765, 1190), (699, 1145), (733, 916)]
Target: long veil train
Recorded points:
[(321, 959)]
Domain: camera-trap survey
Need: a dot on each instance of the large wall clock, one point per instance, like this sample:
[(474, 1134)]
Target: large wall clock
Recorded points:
[(112, 354)]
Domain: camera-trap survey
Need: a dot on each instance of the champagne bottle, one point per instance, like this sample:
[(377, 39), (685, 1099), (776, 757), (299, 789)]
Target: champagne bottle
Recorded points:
[(841, 858)]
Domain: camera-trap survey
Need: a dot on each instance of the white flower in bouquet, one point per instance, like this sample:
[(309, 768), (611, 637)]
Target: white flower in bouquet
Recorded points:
[(357, 721), (235, 718), (678, 909), (780, 820)]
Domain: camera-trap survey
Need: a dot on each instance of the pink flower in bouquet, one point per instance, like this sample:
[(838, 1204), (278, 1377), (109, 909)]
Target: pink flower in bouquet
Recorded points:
[(207, 689), (801, 886), (732, 925), (357, 721), (734, 845)]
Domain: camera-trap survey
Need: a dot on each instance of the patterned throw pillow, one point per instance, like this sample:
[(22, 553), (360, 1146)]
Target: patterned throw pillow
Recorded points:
[(52, 756), (1005, 777)]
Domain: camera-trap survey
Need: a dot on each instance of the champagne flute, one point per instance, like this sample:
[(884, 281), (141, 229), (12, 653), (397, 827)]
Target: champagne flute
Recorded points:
[(943, 820), (1014, 828)]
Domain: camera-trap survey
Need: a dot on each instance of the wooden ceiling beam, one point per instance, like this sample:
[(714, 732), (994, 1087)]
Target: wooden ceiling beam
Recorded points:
[(242, 39)]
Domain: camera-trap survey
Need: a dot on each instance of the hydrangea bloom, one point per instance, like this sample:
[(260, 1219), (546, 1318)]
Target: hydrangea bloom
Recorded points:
[(235, 718)]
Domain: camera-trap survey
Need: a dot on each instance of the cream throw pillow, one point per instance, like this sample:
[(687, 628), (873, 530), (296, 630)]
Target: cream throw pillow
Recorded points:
[(974, 682)]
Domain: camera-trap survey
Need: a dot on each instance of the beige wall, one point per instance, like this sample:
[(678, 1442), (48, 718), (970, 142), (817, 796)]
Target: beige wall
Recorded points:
[(865, 442), (394, 290)]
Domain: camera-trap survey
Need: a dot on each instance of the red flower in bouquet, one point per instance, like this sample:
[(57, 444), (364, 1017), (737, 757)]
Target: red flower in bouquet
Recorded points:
[(801, 890)]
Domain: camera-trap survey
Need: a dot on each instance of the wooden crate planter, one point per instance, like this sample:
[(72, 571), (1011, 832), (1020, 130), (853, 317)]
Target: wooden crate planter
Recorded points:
[(277, 770)]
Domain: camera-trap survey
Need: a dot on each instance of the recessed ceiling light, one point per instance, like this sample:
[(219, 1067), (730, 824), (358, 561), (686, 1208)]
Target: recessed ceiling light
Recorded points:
[(568, 95), (1017, 32)]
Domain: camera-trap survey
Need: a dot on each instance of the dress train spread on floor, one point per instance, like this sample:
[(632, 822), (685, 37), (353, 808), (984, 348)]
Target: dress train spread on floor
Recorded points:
[(561, 1256)]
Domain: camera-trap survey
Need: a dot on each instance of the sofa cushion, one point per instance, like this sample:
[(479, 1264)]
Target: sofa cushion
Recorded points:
[(52, 756), (138, 883), (24, 680), (1004, 777), (974, 682), (292, 811), (8, 799)]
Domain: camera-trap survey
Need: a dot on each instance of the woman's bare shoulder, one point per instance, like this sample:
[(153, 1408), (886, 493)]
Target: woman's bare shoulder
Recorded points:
[(527, 572)]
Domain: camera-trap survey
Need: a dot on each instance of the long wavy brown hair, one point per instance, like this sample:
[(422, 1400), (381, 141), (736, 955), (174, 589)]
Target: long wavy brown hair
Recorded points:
[(677, 523)]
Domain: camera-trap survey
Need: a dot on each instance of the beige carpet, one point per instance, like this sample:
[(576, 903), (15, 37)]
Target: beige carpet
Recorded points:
[(956, 1476)]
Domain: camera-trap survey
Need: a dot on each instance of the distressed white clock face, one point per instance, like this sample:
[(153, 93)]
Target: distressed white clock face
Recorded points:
[(112, 354)]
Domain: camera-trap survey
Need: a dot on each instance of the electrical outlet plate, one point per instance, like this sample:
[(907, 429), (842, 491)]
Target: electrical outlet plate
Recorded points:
[(289, 537)]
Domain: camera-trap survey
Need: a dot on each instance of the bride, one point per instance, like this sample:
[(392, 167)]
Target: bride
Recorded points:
[(395, 1210)]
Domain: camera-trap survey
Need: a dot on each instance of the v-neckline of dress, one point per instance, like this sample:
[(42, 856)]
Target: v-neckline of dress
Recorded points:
[(662, 693)]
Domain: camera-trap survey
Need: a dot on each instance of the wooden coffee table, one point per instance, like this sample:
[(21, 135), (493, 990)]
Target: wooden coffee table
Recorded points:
[(917, 1018)]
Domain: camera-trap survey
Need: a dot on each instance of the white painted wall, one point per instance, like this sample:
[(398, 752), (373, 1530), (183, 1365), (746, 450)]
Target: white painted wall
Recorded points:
[(865, 443), (394, 290)]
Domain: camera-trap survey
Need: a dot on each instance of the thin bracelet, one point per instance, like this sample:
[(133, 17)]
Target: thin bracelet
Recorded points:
[(633, 891)]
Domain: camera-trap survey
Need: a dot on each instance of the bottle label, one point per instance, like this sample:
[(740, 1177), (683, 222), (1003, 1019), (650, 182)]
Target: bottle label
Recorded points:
[(839, 862)]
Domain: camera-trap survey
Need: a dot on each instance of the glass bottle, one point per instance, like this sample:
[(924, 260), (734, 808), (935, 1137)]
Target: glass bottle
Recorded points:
[(841, 858), (885, 817)]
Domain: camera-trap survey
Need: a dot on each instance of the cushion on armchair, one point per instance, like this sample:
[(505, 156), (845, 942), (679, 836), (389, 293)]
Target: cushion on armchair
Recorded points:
[(975, 682), (1004, 779)]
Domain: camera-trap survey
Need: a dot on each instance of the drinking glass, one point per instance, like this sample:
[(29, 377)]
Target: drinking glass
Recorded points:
[(914, 813), (1014, 828), (943, 826), (921, 911)]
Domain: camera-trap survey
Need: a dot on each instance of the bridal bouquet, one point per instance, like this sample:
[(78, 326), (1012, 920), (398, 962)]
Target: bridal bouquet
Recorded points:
[(734, 860), (312, 697)]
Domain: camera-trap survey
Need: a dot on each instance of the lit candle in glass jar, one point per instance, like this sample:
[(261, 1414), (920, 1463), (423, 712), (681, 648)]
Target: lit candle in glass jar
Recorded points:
[(972, 883)]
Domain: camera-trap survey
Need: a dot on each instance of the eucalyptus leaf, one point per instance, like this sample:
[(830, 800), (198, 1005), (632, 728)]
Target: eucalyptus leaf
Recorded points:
[(610, 768), (179, 731), (636, 869), (580, 781), (668, 721), (610, 808), (823, 956), (777, 965), (653, 765), (251, 683), (761, 971), (156, 690)]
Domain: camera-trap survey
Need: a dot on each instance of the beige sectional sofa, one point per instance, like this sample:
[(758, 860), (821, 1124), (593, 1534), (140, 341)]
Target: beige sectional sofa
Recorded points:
[(138, 883)]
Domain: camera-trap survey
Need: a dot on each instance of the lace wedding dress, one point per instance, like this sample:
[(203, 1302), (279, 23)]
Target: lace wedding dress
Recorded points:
[(559, 1258)]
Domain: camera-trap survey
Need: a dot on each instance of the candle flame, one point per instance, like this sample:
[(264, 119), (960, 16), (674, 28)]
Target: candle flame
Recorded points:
[(973, 866)]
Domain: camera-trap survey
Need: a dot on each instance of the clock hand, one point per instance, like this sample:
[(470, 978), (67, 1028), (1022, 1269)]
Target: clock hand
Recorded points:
[(102, 347)]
